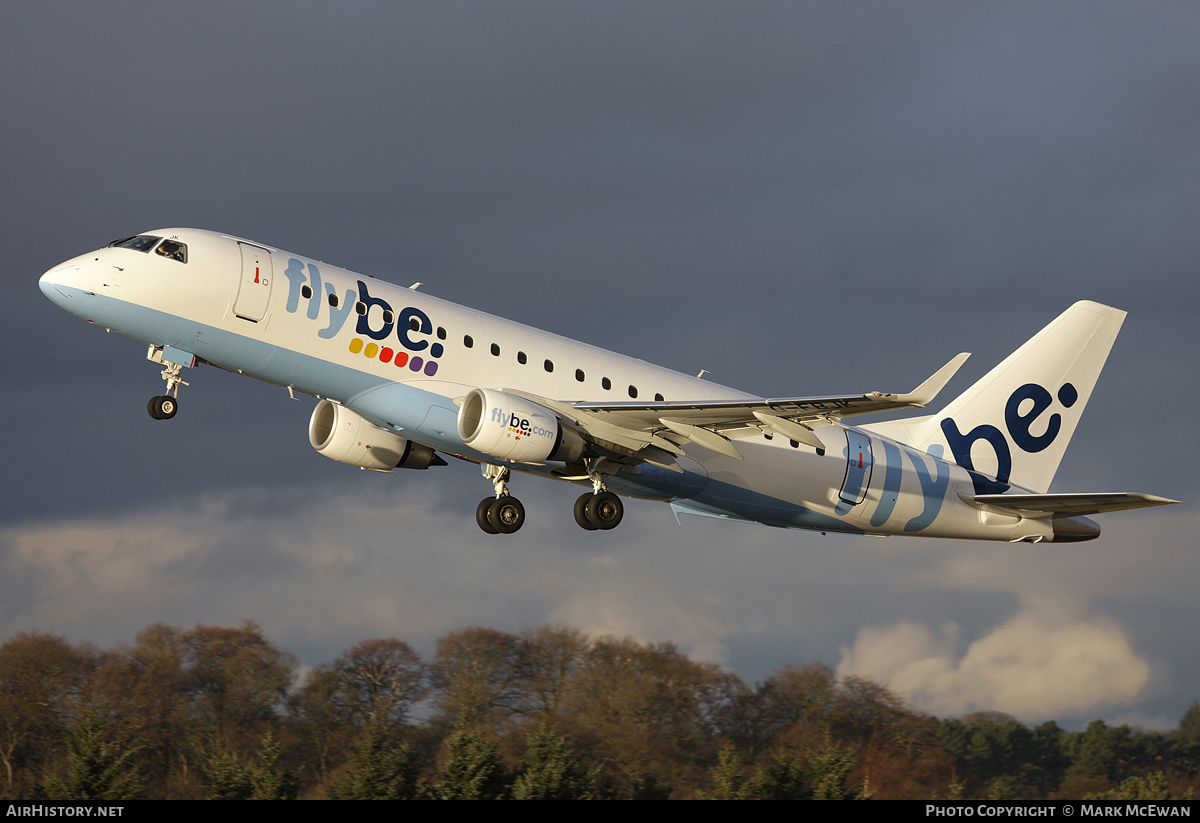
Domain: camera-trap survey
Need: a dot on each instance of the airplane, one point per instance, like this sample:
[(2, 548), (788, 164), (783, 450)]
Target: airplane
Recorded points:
[(403, 377)]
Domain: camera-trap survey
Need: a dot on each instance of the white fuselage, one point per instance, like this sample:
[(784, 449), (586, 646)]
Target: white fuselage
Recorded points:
[(401, 359)]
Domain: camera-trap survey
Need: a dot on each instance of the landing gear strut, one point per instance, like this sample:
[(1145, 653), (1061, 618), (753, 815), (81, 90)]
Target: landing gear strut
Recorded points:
[(502, 514), (164, 406)]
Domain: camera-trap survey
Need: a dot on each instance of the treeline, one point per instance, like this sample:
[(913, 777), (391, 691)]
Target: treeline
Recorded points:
[(220, 712)]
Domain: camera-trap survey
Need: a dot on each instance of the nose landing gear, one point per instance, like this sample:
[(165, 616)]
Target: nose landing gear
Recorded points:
[(164, 406)]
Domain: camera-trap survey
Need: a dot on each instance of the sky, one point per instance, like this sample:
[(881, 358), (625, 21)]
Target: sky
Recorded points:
[(801, 198)]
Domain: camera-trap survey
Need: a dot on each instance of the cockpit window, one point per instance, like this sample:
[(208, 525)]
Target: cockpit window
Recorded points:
[(174, 250), (142, 242)]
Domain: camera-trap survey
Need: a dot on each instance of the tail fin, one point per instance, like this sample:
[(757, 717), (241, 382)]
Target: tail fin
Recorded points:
[(1015, 423)]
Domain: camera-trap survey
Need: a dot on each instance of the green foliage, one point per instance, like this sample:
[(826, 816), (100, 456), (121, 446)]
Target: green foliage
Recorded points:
[(473, 769), (552, 771), (229, 776), (783, 777), (829, 770), (1189, 724), (650, 787), (378, 771), (1151, 787), (1012, 760), (728, 777), (97, 768)]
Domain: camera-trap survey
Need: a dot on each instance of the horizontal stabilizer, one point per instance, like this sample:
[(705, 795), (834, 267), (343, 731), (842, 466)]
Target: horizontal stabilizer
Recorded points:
[(1072, 504)]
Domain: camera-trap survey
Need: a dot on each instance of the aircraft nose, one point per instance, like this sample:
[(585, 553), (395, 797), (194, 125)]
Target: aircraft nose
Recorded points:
[(52, 281), (71, 282)]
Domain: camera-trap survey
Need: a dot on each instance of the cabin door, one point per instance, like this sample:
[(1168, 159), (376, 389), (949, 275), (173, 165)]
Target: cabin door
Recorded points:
[(254, 289)]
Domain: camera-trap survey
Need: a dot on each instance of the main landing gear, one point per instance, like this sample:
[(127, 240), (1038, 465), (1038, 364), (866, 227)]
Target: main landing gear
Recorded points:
[(601, 510), (502, 514), (164, 406), (598, 510)]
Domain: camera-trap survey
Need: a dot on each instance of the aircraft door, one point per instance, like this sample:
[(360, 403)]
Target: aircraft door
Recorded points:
[(254, 289), (859, 461)]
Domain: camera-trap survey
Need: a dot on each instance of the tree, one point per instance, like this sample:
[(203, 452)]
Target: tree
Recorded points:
[(378, 771), (140, 692), (1153, 786), (384, 679), (552, 771), (553, 657), (480, 676), (1189, 724), (322, 713), (804, 695), (783, 777), (41, 677), (728, 776), (235, 677), (97, 769), (229, 776), (829, 770), (647, 709), (473, 769)]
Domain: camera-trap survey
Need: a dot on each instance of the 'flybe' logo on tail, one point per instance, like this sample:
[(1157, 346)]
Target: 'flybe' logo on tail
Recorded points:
[(1024, 407), (410, 325)]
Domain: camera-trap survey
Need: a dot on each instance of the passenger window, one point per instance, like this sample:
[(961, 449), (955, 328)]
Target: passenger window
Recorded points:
[(495, 350), (521, 358), (579, 375), (333, 300), (606, 383), (414, 324), (359, 307), (549, 366), (468, 341), (306, 293), (441, 333), (660, 398), (388, 317), (633, 391)]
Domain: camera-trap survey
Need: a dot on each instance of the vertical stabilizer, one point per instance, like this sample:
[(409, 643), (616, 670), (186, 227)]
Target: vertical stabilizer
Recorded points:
[(1015, 423)]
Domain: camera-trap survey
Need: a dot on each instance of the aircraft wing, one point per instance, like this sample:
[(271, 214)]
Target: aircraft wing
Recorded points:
[(654, 430), (1072, 504)]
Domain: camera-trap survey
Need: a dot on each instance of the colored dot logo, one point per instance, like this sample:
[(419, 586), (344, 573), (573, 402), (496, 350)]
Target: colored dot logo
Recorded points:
[(401, 359)]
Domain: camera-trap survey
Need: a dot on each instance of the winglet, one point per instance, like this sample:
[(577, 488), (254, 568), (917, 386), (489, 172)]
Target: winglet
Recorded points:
[(928, 390)]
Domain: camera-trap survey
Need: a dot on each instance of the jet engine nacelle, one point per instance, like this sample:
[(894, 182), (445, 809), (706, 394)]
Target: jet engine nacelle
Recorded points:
[(346, 437), (512, 428)]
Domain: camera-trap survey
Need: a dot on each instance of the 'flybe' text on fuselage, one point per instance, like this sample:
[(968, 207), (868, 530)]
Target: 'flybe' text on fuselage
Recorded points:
[(410, 325)]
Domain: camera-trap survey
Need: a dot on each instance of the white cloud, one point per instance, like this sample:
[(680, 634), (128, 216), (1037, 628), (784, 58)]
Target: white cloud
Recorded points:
[(1031, 667)]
